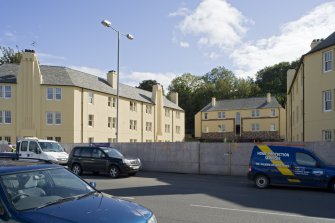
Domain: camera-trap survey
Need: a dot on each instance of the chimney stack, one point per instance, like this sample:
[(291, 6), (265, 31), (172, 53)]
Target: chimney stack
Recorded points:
[(112, 78), (213, 101), (268, 97), (174, 97), (315, 42)]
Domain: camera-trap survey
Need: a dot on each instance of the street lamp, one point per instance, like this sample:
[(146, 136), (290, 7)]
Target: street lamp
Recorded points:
[(108, 24)]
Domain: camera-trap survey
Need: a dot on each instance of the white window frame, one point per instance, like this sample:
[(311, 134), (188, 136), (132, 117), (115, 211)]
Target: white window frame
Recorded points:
[(177, 114), (58, 94), (255, 113), (113, 122), (7, 117), (167, 128), (273, 127), (178, 129), (91, 120), (133, 106), (255, 127), (327, 61), (206, 115), (327, 98), (50, 93), (167, 112), (90, 97), (109, 103), (58, 118), (6, 91), (148, 109), (109, 122), (221, 115), (221, 128), (273, 112), (50, 117), (327, 135)]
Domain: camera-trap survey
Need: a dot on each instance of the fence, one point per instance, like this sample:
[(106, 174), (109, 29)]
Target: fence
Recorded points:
[(204, 158)]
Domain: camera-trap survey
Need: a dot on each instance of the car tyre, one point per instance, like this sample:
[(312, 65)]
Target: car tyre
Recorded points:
[(76, 169), (332, 185), (114, 172), (261, 181)]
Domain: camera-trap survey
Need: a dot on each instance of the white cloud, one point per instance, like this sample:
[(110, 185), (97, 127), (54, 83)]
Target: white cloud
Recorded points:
[(213, 55), (180, 12), (91, 70), (10, 36), (217, 23), (46, 57), (184, 44), (134, 78), (292, 42)]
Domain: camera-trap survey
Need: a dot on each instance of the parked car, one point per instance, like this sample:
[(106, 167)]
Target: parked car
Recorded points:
[(33, 191), (42, 149), (282, 165), (102, 160)]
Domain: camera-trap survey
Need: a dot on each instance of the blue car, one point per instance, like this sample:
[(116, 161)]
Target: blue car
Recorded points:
[(282, 165), (37, 191)]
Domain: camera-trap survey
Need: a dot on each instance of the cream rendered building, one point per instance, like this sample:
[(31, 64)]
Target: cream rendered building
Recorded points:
[(311, 94), (248, 119), (70, 106)]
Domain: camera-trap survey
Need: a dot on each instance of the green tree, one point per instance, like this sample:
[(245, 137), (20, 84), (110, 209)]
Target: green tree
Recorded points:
[(8, 55), (273, 80), (147, 85), (186, 85)]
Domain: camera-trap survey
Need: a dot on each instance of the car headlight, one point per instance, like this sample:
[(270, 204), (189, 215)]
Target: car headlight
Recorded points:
[(152, 219), (127, 162)]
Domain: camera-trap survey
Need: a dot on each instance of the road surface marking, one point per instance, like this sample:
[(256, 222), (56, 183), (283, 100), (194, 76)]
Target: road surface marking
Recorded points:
[(262, 212)]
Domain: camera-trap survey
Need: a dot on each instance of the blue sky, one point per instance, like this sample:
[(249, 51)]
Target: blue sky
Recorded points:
[(170, 37)]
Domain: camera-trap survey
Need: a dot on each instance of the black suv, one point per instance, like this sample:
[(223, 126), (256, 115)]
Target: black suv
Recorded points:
[(102, 159)]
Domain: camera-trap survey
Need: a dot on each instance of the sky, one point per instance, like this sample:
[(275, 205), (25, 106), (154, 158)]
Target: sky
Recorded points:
[(170, 37)]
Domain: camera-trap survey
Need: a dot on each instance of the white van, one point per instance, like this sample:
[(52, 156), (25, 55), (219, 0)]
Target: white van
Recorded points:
[(42, 149)]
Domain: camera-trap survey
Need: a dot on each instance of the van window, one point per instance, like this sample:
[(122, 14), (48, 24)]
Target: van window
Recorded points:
[(305, 159), (96, 153), (24, 146), (85, 152), (33, 147)]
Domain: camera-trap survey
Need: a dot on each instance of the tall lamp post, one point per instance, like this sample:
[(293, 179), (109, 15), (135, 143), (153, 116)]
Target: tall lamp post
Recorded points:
[(108, 24)]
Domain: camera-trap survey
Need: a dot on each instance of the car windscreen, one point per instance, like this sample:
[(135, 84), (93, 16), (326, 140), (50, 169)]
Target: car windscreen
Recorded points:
[(41, 188), (111, 152), (51, 147)]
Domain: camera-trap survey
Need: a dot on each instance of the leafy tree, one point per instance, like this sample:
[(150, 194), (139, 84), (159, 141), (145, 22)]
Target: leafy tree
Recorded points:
[(186, 85), (218, 73), (147, 84), (273, 80), (8, 55)]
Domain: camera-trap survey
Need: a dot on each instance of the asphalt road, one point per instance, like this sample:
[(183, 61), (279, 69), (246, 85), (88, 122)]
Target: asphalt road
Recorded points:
[(183, 198)]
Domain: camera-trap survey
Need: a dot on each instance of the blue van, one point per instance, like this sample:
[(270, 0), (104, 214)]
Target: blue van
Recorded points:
[(283, 165)]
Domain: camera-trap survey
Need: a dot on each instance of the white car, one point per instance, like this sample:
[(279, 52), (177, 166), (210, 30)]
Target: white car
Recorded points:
[(42, 149)]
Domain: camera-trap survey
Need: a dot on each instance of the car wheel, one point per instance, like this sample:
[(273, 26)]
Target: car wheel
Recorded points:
[(261, 181), (114, 171), (332, 185), (76, 169)]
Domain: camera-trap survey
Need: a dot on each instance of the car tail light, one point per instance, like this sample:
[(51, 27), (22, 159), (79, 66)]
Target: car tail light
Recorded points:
[(250, 168)]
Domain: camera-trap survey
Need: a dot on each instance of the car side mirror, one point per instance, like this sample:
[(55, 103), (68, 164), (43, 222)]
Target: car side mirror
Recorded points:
[(103, 156)]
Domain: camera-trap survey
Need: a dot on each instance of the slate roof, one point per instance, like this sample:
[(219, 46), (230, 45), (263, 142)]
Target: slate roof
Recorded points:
[(63, 76), (243, 103), (329, 41)]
